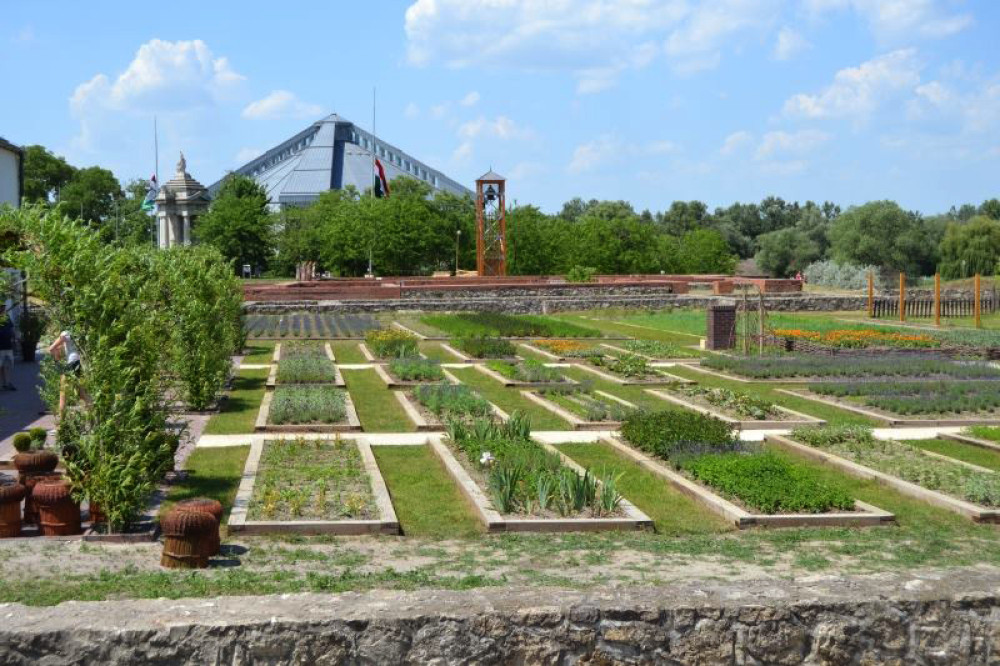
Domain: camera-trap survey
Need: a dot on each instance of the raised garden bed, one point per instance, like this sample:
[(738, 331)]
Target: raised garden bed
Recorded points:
[(306, 325), (431, 406), (907, 469), (525, 374), (915, 404), (518, 485), (583, 408), (474, 350), (654, 350), (297, 409), (312, 487), (742, 411), (389, 343), (801, 369), (413, 371), (563, 350), (298, 363), (629, 369)]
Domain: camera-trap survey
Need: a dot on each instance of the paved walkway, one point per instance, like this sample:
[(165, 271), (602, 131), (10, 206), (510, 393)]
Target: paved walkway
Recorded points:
[(21, 409)]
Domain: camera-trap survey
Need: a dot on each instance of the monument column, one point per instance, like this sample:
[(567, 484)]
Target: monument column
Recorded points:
[(179, 203)]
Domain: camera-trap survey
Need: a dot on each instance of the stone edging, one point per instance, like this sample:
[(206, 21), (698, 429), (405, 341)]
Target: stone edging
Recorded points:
[(353, 422)]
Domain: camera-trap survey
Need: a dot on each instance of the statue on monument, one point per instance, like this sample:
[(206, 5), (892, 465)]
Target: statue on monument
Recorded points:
[(182, 164)]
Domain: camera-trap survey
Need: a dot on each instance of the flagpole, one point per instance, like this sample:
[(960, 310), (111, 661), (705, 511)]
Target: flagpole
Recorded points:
[(374, 143), (156, 152)]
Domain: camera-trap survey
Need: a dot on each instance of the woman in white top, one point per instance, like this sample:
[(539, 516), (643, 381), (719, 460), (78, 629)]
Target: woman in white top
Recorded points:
[(65, 347)]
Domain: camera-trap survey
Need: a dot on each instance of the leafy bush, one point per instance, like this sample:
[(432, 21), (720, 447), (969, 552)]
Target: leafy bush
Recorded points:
[(483, 347), (663, 433), (305, 370), (626, 365), (767, 483), (307, 404), (391, 343), (415, 368), (581, 274), (829, 273), (452, 401)]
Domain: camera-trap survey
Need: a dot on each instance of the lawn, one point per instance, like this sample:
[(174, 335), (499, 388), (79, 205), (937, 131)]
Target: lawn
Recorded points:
[(258, 352), (510, 399), (965, 452), (211, 472), (610, 323), (427, 501), (239, 410), (347, 351), (435, 352), (377, 407)]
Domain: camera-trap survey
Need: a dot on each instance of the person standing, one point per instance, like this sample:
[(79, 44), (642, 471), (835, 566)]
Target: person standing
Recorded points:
[(6, 351), (65, 348)]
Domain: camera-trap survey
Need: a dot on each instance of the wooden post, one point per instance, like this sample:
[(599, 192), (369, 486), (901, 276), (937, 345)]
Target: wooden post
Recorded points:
[(871, 294), (937, 299), (902, 297), (977, 304)]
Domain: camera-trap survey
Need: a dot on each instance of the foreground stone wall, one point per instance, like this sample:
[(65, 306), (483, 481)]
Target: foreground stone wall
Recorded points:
[(936, 618), (544, 305)]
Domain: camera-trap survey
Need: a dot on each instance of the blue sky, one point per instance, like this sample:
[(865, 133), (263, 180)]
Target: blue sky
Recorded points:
[(644, 100)]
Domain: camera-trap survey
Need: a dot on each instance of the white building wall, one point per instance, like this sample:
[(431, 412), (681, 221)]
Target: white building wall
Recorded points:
[(8, 177)]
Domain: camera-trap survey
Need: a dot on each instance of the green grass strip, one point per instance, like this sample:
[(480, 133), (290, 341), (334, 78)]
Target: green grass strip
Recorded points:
[(377, 407), (959, 451), (347, 351), (211, 472), (258, 352), (239, 410), (990, 433), (509, 399), (617, 329), (672, 512), (435, 352), (427, 501)]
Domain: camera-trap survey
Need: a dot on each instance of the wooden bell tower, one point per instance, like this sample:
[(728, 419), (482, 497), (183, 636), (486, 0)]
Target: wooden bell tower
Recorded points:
[(491, 224)]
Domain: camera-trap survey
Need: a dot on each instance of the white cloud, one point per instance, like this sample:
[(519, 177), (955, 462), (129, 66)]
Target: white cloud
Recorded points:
[(858, 91), (500, 127), (244, 155), (281, 104), (411, 110), (661, 147), (779, 142), (162, 76), (463, 154), (934, 92), (588, 156), (698, 42), (899, 19), (471, 99), (439, 110), (735, 142), (789, 44)]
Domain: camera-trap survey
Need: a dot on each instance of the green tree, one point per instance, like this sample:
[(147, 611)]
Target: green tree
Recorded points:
[(990, 208), (535, 242), (45, 174), (704, 251), (880, 233), (971, 247), (238, 223), (784, 252), (90, 195)]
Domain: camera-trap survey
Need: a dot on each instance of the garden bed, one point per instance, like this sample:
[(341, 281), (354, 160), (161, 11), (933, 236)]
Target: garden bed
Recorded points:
[(406, 372), (525, 374), (297, 409), (518, 485), (303, 363), (906, 469), (471, 324), (431, 406), (584, 409), (655, 350), (307, 325), (742, 411), (312, 487), (942, 404), (629, 370), (562, 350), (812, 369), (475, 350)]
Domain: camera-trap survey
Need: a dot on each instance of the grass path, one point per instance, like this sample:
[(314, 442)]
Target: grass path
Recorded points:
[(347, 351), (510, 399), (239, 410), (427, 501), (435, 352), (376, 405), (964, 452), (258, 352), (672, 512), (214, 473)]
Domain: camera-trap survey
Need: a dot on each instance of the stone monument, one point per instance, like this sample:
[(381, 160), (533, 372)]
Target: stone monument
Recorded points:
[(179, 203)]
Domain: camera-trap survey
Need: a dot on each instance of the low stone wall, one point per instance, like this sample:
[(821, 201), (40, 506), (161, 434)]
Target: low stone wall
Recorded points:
[(545, 305), (937, 618)]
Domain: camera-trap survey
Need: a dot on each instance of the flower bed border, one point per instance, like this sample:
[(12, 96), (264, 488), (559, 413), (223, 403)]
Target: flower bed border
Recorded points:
[(742, 424), (496, 523), (887, 418), (353, 423), (866, 515), (974, 512), (576, 421), (387, 523), (493, 374)]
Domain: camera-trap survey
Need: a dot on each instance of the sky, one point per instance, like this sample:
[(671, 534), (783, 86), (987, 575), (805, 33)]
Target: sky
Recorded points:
[(649, 101)]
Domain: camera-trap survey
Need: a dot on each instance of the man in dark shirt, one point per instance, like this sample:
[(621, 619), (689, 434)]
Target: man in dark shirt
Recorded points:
[(6, 350)]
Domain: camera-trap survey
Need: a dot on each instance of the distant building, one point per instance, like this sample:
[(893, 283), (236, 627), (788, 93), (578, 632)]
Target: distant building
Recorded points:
[(179, 204), (331, 154), (11, 173)]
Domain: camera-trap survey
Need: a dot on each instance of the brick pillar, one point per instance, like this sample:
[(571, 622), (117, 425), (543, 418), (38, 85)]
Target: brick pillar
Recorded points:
[(721, 327)]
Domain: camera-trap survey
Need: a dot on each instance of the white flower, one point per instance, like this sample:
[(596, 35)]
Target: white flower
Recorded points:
[(486, 458)]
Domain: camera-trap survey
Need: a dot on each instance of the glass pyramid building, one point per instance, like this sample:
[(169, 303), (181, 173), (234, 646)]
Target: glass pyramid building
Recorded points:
[(331, 154)]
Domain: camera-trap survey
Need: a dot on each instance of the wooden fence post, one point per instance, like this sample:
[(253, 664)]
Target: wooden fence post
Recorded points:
[(937, 299), (977, 304), (902, 297), (871, 294)]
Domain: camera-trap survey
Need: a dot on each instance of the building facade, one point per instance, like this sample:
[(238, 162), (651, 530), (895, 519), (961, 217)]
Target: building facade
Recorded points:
[(11, 173), (179, 204), (332, 154)]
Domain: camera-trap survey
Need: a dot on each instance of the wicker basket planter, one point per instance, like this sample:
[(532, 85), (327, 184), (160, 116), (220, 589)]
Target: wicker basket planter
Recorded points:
[(29, 483), (185, 534), (11, 495), (214, 509), (58, 513), (35, 462)]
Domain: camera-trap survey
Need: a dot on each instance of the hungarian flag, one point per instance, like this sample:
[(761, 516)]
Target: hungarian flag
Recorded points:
[(381, 184), (148, 203)]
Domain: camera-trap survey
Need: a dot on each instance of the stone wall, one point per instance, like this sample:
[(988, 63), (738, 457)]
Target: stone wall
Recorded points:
[(937, 618), (542, 305)]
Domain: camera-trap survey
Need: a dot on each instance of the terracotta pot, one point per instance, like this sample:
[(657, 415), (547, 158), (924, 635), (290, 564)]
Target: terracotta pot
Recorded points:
[(35, 462), (96, 514), (29, 482), (211, 507), (58, 514), (11, 495), (185, 535)]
